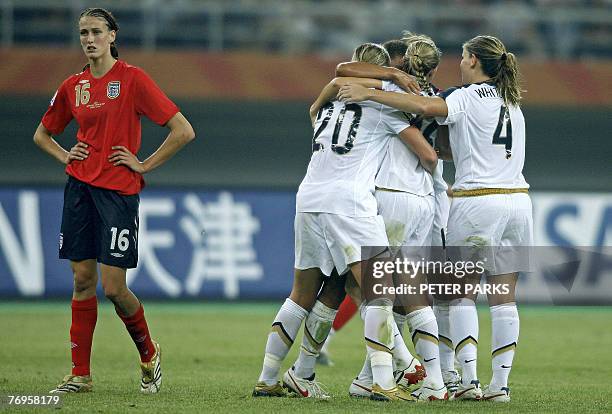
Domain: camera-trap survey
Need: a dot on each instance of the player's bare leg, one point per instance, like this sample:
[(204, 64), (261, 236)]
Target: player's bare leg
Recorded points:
[(131, 312), (504, 337), (84, 317), (85, 275), (286, 325)]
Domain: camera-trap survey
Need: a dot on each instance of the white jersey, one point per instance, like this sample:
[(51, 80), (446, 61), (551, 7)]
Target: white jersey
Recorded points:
[(401, 169), (486, 137), (439, 184), (348, 146)]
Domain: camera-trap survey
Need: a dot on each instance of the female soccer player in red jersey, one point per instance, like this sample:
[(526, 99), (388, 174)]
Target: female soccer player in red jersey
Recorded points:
[(100, 216)]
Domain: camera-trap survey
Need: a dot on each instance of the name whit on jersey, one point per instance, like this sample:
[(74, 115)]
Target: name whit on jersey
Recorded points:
[(488, 93)]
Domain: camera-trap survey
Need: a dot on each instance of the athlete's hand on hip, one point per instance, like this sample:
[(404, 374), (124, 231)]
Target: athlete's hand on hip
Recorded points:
[(122, 156), (352, 93), (79, 152)]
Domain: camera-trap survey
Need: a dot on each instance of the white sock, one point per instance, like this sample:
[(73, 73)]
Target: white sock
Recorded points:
[(402, 358), (379, 341), (325, 347), (424, 331), (366, 369), (447, 351), (316, 328), (464, 333), (284, 330), (400, 321), (504, 338), (382, 371)]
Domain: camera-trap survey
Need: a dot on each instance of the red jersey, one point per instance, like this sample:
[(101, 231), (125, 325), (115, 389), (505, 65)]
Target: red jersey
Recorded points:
[(108, 112)]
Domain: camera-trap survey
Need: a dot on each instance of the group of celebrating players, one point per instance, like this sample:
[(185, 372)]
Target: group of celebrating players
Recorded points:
[(373, 185), (374, 188)]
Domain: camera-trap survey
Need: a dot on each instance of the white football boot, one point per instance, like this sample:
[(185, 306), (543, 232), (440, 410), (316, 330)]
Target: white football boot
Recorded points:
[(427, 392), (361, 388), (303, 388), (151, 379), (496, 394), (451, 379), (472, 391), (410, 376)]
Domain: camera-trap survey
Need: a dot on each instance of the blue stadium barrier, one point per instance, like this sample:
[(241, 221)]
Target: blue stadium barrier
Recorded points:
[(234, 245)]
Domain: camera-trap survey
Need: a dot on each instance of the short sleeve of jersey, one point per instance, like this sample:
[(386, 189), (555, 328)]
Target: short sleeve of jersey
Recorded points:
[(396, 120), (151, 101), (59, 113), (456, 102)]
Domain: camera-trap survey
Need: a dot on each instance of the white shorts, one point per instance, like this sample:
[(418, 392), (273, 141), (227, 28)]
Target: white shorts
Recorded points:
[(440, 222), (494, 221), (408, 217), (325, 241)]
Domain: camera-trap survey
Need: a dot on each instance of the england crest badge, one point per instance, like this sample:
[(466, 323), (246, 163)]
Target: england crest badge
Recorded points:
[(113, 89)]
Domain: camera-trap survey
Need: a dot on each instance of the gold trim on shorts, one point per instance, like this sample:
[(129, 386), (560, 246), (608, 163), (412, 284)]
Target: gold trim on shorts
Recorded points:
[(488, 191), (388, 189)]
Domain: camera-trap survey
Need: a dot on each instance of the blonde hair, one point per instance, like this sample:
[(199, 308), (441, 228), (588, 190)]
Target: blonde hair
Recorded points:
[(422, 56), (499, 65), (371, 53)]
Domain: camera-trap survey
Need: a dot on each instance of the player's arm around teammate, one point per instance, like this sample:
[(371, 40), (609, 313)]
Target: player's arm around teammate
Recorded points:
[(330, 91), (100, 215), (367, 70), (491, 207), (414, 140), (396, 49), (335, 217)]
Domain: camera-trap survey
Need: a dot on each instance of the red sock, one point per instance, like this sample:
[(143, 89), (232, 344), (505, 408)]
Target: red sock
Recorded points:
[(345, 312), (84, 317), (139, 331)]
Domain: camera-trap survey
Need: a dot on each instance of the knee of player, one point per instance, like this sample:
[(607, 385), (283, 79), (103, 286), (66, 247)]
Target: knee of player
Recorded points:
[(302, 299), (81, 284), (498, 295), (84, 277), (332, 295), (114, 291)]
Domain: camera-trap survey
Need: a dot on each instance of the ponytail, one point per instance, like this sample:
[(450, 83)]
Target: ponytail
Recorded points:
[(499, 65), (114, 51), (422, 56), (507, 79)]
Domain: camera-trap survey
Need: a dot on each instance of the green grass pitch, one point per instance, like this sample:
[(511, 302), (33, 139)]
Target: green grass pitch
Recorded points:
[(212, 355)]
